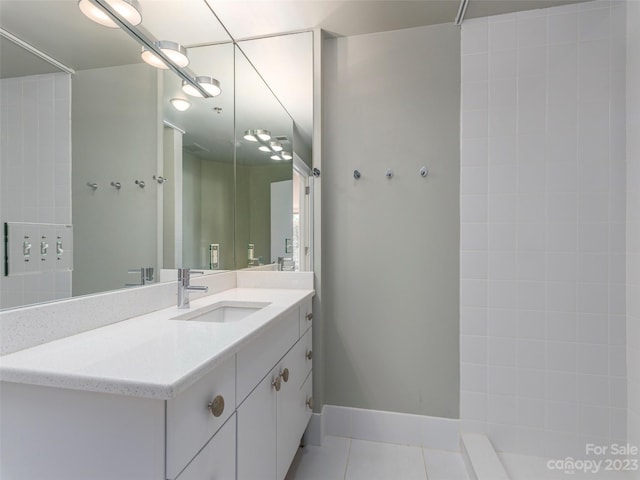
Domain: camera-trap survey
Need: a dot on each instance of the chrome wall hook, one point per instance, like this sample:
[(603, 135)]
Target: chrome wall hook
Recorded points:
[(424, 171), (356, 174), (118, 185), (92, 185), (159, 179), (140, 183), (388, 173)]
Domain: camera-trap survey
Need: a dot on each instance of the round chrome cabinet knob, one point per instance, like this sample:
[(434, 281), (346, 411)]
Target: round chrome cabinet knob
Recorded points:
[(216, 406), (310, 402), (309, 354)]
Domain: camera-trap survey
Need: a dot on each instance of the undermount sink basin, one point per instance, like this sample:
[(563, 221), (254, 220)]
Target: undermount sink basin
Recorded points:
[(223, 312)]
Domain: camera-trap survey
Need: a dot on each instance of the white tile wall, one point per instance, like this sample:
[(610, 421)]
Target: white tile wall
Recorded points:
[(35, 171), (542, 237), (633, 227)]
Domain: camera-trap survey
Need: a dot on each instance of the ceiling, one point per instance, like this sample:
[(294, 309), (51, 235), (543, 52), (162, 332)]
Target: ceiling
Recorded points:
[(285, 62)]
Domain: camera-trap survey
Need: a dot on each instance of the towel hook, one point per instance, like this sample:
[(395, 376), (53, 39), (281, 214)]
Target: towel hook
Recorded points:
[(92, 185), (118, 185), (159, 179), (389, 173), (140, 183), (356, 174)]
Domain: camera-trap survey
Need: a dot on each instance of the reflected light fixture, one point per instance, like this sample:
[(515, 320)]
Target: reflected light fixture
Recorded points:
[(208, 84), (176, 53), (127, 9), (271, 147), (258, 134), (180, 104), (276, 157), (286, 156)]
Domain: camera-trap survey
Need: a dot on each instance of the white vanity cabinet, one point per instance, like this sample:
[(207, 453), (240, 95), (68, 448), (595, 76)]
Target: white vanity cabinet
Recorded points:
[(231, 421), (273, 417)]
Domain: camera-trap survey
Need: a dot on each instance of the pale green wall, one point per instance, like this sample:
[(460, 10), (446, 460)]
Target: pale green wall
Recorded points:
[(114, 230), (192, 256), (390, 251)]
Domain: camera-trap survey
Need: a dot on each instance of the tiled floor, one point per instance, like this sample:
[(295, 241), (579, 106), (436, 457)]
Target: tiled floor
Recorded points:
[(346, 459)]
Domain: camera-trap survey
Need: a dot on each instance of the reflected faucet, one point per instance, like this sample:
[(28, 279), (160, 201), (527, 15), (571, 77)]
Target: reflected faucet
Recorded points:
[(184, 286)]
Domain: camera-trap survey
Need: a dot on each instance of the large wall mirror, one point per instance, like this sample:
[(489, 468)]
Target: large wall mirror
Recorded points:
[(122, 186)]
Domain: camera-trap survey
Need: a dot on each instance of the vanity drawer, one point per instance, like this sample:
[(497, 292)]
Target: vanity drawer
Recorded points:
[(306, 316), (191, 422), (217, 460), (256, 359)]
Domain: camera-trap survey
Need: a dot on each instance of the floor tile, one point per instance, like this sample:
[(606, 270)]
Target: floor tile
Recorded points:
[(443, 465), (327, 462), (383, 461)]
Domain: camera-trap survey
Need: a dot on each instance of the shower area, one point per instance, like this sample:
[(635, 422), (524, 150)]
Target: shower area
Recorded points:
[(550, 238)]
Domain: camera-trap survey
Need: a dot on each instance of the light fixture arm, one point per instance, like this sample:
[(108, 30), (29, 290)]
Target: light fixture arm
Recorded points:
[(147, 43)]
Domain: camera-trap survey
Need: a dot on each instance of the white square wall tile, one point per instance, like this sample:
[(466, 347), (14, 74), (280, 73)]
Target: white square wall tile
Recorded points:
[(503, 35), (473, 180), (473, 265), (473, 406), (531, 383), (475, 36), (562, 28), (473, 152), (473, 378), (503, 64), (532, 31), (475, 68), (531, 412), (475, 96), (473, 321), (561, 357), (562, 387), (595, 24), (532, 61), (501, 352), (473, 349), (475, 124), (502, 409)]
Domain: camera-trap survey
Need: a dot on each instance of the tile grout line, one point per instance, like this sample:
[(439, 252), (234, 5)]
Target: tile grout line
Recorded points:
[(346, 466), (424, 463)]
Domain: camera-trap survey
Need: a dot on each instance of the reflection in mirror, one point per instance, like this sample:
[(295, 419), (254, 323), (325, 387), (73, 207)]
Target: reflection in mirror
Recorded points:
[(198, 163), (264, 185), (114, 135)]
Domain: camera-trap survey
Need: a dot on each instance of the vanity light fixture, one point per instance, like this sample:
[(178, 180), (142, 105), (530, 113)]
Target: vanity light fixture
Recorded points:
[(258, 134), (180, 104), (271, 147), (208, 84), (176, 52), (127, 9)]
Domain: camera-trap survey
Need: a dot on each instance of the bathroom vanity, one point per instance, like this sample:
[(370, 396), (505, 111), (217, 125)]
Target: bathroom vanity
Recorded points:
[(221, 391)]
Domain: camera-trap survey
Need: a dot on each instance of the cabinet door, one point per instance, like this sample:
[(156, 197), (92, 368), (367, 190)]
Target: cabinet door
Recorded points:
[(292, 416), (217, 460), (257, 432)]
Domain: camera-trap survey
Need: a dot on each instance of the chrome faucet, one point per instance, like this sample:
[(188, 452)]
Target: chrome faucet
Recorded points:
[(184, 287)]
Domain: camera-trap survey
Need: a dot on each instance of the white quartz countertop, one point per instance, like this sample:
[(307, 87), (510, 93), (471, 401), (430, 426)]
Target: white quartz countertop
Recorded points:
[(151, 355)]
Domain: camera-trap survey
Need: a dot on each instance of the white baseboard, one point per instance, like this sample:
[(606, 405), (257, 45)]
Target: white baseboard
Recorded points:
[(314, 434), (388, 427)]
